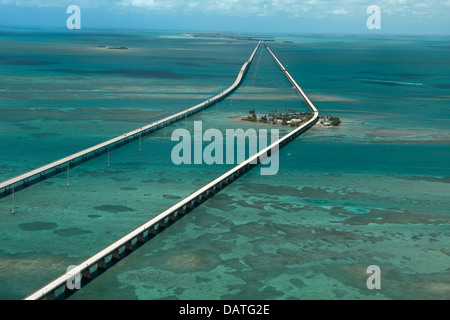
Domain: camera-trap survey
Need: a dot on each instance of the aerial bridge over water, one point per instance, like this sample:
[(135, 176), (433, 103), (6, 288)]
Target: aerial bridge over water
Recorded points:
[(25, 180), (110, 255)]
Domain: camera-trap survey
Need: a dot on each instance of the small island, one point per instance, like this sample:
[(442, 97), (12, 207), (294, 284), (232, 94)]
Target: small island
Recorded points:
[(291, 118), (110, 48), (117, 48)]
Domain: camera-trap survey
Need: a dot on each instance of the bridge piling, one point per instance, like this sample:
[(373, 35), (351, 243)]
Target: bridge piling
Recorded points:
[(129, 246), (151, 232), (101, 264), (162, 225), (51, 296), (141, 238), (115, 256), (86, 275), (13, 209)]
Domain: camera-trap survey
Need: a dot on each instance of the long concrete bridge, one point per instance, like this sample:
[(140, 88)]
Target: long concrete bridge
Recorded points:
[(25, 180), (107, 257)]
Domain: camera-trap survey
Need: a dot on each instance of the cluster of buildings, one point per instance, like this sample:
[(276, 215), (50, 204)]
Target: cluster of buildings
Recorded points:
[(291, 118), (328, 121), (277, 120)]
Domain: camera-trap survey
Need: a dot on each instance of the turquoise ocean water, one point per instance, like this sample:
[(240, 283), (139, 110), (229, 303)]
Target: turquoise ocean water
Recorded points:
[(346, 198)]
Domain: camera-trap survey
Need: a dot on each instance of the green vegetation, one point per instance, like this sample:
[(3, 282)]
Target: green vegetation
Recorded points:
[(330, 121), (252, 116), (335, 121), (291, 118)]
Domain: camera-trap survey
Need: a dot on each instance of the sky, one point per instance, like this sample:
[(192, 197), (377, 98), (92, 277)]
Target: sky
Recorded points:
[(248, 16)]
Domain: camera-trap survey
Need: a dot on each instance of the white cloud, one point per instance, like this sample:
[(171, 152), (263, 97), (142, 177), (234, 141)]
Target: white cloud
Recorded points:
[(289, 8), (339, 11), (55, 3)]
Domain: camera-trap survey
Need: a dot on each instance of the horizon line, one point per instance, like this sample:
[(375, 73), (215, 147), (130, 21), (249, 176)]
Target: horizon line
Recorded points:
[(242, 33)]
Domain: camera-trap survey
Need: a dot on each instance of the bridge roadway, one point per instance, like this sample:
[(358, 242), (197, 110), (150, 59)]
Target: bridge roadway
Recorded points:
[(125, 245), (27, 179)]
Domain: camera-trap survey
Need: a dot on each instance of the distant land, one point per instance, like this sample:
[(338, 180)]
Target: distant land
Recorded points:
[(110, 48), (227, 36)]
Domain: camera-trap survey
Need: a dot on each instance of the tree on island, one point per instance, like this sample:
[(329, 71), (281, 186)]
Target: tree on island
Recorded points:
[(335, 121), (252, 116)]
